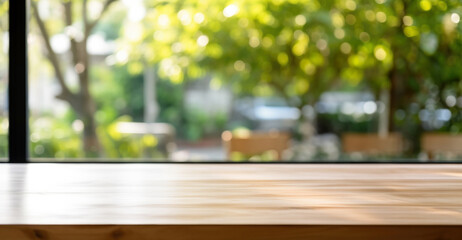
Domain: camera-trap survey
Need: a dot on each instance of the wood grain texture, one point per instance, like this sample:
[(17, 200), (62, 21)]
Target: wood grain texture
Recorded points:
[(227, 232), (303, 199)]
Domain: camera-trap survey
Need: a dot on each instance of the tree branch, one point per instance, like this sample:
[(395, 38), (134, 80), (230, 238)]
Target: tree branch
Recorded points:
[(84, 14), (65, 94), (68, 21), (91, 25), (84, 57)]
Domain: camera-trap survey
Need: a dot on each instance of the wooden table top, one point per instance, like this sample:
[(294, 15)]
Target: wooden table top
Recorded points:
[(273, 194)]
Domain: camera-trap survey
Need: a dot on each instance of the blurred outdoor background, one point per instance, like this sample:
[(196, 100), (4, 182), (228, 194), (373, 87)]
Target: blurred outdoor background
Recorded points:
[(258, 80)]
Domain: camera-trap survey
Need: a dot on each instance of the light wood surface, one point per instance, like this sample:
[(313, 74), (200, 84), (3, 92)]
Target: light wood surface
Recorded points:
[(298, 199)]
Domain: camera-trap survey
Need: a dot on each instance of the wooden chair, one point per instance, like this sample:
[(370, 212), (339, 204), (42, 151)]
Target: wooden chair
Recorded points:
[(373, 144), (441, 143), (255, 143)]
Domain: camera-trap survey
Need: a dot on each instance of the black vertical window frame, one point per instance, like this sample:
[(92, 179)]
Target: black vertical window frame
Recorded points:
[(17, 85)]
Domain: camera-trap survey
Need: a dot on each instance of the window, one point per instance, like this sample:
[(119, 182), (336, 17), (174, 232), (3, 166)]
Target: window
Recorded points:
[(3, 81), (264, 80)]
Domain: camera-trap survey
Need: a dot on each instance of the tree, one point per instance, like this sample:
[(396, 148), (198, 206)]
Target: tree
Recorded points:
[(303, 48), (259, 47), (78, 30), (407, 43)]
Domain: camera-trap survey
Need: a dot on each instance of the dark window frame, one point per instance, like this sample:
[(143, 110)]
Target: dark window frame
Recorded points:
[(18, 130)]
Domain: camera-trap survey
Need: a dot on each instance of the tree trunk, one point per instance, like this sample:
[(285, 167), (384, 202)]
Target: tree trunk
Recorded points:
[(393, 96), (384, 116), (86, 111), (151, 108), (91, 144)]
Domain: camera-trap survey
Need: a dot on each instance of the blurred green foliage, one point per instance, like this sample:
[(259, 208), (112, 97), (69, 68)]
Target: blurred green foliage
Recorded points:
[(339, 123), (266, 156), (304, 48)]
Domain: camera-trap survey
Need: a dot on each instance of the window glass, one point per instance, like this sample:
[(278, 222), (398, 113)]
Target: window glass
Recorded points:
[(262, 80), (3, 81)]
